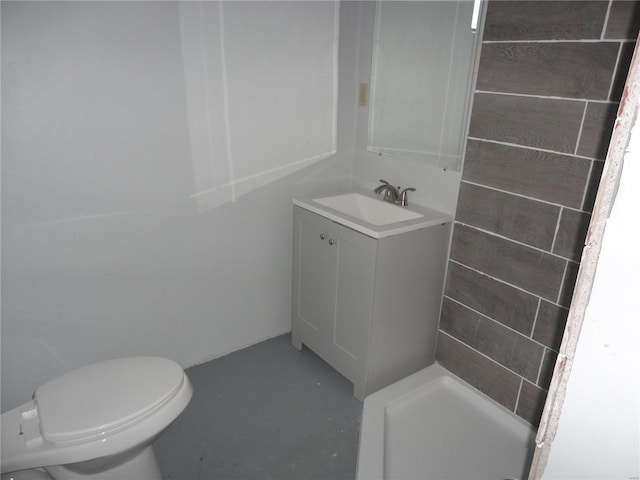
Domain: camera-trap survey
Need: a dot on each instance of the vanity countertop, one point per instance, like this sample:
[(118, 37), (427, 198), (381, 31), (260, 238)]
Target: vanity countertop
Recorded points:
[(372, 216)]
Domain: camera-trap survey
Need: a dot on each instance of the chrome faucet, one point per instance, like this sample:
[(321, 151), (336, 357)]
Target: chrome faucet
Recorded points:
[(393, 194), (388, 192)]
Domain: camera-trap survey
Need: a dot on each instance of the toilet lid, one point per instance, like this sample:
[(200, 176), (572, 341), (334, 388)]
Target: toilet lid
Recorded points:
[(97, 399)]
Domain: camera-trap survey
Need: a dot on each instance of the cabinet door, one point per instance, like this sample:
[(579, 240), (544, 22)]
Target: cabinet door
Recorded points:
[(316, 260), (354, 286), (333, 283)]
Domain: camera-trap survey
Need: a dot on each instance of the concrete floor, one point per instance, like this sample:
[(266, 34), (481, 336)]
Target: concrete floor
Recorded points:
[(265, 412)]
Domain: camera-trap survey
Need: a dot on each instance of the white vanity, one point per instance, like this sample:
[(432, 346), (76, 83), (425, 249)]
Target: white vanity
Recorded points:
[(367, 285)]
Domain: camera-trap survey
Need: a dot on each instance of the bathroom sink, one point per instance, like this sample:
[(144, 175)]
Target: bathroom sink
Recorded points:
[(370, 210), (371, 215)]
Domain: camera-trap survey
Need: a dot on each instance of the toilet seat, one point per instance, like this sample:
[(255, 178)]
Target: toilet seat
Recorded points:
[(100, 399)]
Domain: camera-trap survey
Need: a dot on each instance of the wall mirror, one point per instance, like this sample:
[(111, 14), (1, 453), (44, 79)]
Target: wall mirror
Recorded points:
[(422, 68)]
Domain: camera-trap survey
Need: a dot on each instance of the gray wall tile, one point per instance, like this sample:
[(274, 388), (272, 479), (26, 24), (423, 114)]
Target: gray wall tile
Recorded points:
[(544, 123), (535, 20), (550, 324), (626, 54), (572, 230), (486, 375), (596, 129), (510, 349), (527, 138), (534, 271), (518, 218), (574, 69), (531, 402), (504, 303), (547, 176), (624, 20), (592, 186), (568, 284), (546, 370)]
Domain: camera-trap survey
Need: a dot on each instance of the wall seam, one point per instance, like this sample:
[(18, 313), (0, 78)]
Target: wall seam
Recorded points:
[(520, 377), (497, 321), (558, 40), (543, 97), (494, 234), (506, 283), (527, 197), (535, 318), (515, 408), (562, 284), (555, 234), (537, 149), (606, 21), (584, 115)]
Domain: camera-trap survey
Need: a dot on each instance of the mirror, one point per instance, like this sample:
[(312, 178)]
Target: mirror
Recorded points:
[(423, 55)]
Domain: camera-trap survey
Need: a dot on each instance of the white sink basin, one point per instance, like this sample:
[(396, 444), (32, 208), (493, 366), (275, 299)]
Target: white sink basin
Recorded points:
[(371, 215), (370, 210)]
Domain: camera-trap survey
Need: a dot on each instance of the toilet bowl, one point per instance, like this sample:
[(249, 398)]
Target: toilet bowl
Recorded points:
[(96, 422)]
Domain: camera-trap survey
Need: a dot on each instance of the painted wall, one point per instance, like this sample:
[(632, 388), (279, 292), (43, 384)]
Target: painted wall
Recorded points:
[(435, 187), (104, 252), (549, 82), (608, 444), (261, 88)]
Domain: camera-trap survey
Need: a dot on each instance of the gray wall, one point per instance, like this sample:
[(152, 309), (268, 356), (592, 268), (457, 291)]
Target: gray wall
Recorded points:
[(549, 82)]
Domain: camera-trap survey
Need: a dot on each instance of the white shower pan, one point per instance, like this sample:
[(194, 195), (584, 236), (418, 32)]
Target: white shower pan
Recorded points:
[(433, 425)]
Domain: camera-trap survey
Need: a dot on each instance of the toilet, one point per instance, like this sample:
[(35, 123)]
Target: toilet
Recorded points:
[(96, 422)]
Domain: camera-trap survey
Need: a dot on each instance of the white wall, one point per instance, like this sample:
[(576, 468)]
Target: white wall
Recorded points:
[(261, 83), (436, 188), (104, 253), (598, 435)]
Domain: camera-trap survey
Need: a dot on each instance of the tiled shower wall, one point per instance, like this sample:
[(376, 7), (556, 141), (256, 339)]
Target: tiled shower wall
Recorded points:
[(550, 78)]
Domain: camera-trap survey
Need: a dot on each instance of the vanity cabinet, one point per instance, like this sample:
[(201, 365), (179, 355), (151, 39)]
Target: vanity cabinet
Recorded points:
[(369, 307)]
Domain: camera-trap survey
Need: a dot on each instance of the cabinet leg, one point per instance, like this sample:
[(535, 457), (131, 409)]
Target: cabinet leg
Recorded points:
[(358, 391), (296, 342)]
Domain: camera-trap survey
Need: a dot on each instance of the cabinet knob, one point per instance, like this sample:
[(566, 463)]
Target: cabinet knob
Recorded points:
[(331, 241), (322, 236)]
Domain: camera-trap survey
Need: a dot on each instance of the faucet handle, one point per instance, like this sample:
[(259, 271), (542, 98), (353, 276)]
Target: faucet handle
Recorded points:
[(391, 193), (404, 194), (380, 188)]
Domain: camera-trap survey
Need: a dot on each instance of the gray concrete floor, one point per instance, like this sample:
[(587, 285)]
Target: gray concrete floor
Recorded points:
[(265, 412)]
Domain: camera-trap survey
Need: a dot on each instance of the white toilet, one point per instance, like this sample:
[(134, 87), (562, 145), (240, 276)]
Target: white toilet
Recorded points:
[(96, 422)]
